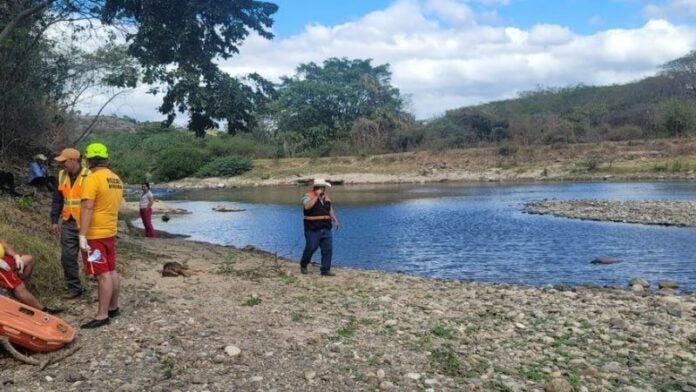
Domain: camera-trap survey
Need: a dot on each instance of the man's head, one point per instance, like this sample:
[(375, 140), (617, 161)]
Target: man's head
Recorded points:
[(145, 186), (319, 185), (70, 159), (97, 155)]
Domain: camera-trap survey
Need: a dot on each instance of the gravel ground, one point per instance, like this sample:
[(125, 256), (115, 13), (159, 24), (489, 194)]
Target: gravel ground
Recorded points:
[(247, 322), (668, 213)]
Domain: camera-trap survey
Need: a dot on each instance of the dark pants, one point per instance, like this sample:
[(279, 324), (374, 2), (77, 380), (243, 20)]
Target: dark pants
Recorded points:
[(318, 239), (69, 252), (146, 216)]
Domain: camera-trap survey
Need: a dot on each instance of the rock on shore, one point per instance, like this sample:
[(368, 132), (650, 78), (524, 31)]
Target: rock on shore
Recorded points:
[(668, 213), (248, 322)]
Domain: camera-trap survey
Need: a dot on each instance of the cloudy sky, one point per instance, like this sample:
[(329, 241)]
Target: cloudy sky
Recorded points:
[(451, 53)]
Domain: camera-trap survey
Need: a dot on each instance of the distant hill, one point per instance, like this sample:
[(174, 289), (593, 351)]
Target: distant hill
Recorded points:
[(663, 105), (106, 124)]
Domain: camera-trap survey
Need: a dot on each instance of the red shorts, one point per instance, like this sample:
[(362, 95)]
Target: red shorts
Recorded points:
[(9, 279), (107, 261)]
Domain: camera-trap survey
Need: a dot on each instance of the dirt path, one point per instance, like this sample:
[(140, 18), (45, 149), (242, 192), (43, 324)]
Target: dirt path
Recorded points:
[(362, 330)]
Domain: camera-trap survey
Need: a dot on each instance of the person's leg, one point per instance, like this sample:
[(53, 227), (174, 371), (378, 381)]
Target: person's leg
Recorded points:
[(70, 250), (147, 222), (28, 267), (311, 245), (326, 244), (24, 296), (105, 286), (116, 279)]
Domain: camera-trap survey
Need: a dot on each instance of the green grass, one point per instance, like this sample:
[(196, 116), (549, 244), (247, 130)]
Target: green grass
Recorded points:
[(444, 332), (534, 372), (348, 330), (167, 368), (225, 268), (446, 360), (297, 316), (252, 301)]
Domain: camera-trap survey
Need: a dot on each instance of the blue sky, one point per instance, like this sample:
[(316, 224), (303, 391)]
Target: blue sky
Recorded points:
[(446, 54), (581, 16)]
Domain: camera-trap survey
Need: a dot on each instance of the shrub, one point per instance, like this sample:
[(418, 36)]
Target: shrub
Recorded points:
[(179, 162), (225, 167), (507, 150)]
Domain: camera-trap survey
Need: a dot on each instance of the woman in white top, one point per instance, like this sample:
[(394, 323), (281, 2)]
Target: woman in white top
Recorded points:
[(146, 201)]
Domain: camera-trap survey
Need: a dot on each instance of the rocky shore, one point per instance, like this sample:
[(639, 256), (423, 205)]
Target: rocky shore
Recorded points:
[(667, 213), (246, 321)]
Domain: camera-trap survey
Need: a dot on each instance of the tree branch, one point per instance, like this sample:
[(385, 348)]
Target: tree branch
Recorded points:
[(10, 28), (87, 130)]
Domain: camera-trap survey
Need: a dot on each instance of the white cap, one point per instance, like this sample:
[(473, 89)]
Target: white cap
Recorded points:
[(321, 182)]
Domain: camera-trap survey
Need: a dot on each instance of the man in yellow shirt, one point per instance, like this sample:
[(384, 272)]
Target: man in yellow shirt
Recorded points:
[(102, 192)]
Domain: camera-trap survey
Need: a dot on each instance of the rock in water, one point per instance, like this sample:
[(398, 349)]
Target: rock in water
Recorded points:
[(638, 282), (558, 385), (668, 284), (605, 260)]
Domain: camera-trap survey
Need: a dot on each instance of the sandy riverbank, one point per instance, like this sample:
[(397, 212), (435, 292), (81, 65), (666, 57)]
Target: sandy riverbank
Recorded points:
[(668, 213), (247, 322), (666, 159)]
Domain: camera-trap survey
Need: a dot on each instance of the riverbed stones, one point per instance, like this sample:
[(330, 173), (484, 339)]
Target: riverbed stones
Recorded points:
[(606, 260), (233, 351), (558, 385)]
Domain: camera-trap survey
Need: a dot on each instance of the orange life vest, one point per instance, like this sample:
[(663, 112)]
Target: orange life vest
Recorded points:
[(71, 193)]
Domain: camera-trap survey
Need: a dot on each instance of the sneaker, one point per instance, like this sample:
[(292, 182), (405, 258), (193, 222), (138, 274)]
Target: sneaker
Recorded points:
[(328, 273), (51, 310), (95, 323), (73, 294), (114, 312)]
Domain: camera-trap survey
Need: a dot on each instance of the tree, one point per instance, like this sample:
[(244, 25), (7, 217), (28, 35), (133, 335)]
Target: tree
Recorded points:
[(683, 71), (320, 103), (176, 44)]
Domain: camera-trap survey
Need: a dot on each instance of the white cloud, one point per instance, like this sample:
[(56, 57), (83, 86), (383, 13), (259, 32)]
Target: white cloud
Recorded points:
[(443, 65)]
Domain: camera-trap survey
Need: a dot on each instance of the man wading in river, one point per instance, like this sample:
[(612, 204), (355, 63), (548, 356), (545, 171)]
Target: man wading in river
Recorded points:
[(318, 219)]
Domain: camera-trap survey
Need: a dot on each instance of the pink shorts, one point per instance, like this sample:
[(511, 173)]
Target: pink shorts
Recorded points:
[(107, 261)]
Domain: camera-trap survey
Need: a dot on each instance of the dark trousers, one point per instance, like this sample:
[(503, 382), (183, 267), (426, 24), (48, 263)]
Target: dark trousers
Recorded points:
[(146, 216), (69, 252), (318, 239)]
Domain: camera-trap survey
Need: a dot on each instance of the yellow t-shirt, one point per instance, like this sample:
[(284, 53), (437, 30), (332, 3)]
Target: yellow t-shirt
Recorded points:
[(106, 189)]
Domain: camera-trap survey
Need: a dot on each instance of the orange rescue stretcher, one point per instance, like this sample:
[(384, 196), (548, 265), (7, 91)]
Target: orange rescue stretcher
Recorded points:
[(33, 329)]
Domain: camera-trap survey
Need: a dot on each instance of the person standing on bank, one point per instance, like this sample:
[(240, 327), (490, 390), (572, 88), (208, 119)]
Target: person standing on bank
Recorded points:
[(146, 201), (66, 210), (319, 216), (101, 198)]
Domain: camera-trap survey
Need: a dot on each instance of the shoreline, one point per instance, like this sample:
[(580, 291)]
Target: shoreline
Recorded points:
[(260, 325), (647, 212)]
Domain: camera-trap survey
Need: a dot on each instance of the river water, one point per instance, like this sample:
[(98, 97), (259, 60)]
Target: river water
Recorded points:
[(457, 231)]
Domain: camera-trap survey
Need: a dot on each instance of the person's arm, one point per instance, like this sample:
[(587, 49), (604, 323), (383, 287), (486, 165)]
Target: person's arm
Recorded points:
[(9, 250), (309, 202), (86, 212), (334, 218), (150, 199), (56, 209)]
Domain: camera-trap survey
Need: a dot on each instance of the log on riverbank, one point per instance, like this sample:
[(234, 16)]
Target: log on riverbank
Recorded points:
[(660, 212)]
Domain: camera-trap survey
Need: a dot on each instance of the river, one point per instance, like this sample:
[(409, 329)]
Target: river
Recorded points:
[(472, 232)]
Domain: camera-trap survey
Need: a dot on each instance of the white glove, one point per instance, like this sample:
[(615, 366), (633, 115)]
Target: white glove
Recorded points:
[(83, 243), (19, 262), (4, 266)]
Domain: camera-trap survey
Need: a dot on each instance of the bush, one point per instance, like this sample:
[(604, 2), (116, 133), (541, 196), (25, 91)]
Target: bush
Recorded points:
[(177, 163), (507, 150), (225, 167)]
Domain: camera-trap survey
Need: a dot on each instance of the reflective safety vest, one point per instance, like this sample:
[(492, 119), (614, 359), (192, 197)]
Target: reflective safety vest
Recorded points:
[(319, 216), (71, 193)]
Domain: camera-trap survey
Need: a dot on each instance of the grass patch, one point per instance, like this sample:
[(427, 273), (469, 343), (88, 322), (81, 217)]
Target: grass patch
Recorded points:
[(534, 372), (289, 279), (297, 316), (348, 330), (252, 301), (446, 360), (442, 331), (167, 368)]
